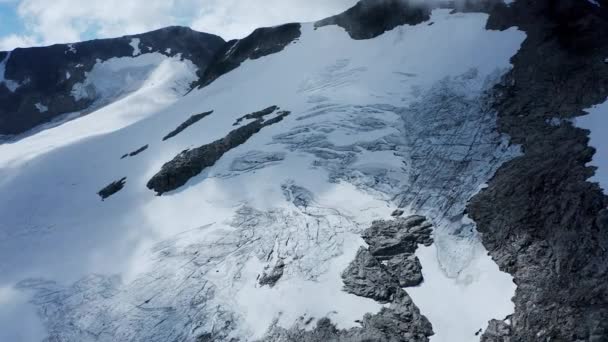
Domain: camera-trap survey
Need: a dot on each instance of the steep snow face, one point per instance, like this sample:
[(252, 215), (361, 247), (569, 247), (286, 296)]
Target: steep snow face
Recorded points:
[(597, 122), (396, 120)]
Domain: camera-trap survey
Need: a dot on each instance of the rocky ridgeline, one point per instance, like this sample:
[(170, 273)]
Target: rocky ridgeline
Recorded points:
[(370, 18), (47, 75), (191, 121), (261, 42)]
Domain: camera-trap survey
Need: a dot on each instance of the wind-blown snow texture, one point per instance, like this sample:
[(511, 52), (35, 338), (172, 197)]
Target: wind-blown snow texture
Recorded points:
[(374, 124)]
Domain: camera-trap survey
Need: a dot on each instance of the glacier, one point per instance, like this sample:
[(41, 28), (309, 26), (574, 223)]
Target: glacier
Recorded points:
[(400, 120)]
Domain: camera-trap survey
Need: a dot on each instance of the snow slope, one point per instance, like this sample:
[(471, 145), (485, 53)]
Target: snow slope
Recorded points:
[(374, 124), (125, 90)]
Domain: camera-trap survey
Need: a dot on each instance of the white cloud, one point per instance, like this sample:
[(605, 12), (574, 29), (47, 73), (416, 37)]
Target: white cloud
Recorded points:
[(13, 41), (62, 21), (236, 18)]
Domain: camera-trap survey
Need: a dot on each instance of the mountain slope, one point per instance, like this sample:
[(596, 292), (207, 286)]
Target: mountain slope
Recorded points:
[(316, 183), (38, 85)]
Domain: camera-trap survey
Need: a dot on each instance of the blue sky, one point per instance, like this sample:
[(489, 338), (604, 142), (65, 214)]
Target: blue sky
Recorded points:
[(9, 22), (43, 22)]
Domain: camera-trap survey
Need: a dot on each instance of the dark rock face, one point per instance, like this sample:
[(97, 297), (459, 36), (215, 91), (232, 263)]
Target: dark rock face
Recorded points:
[(400, 236), (42, 72), (260, 43), (371, 18), (256, 115), (367, 276), (191, 121), (190, 163), (272, 277), (397, 213), (136, 152), (112, 188), (540, 219)]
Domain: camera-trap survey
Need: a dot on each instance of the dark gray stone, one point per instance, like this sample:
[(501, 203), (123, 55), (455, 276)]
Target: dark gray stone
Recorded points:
[(406, 269), (191, 121), (190, 163), (272, 277), (371, 18), (397, 213), (367, 277), (112, 188), (136, 152), (402, 235), (256, 115), (539, 218)]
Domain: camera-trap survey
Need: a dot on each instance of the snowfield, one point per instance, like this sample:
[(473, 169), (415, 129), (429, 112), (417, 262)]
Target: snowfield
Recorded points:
[(596, 122), (398, 120)]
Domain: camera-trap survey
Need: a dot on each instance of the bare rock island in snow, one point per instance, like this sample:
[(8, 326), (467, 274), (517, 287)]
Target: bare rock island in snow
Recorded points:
[(402, 171)]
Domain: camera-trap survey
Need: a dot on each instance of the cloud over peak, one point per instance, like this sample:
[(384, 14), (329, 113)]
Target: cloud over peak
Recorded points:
[(62, 21)]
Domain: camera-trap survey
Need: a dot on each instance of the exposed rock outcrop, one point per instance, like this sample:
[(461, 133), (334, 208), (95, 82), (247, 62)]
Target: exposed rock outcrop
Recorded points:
[(190, 163), (256, 115), (191, 121), (136, 152), (371, 18), (112, 188), (366, 277), (271, 277)]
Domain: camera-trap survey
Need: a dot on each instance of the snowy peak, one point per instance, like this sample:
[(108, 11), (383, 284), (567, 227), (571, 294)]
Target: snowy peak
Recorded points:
[(54, 78)]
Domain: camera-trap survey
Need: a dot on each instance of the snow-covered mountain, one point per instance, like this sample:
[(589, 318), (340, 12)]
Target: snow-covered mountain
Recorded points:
[(403, 171)]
